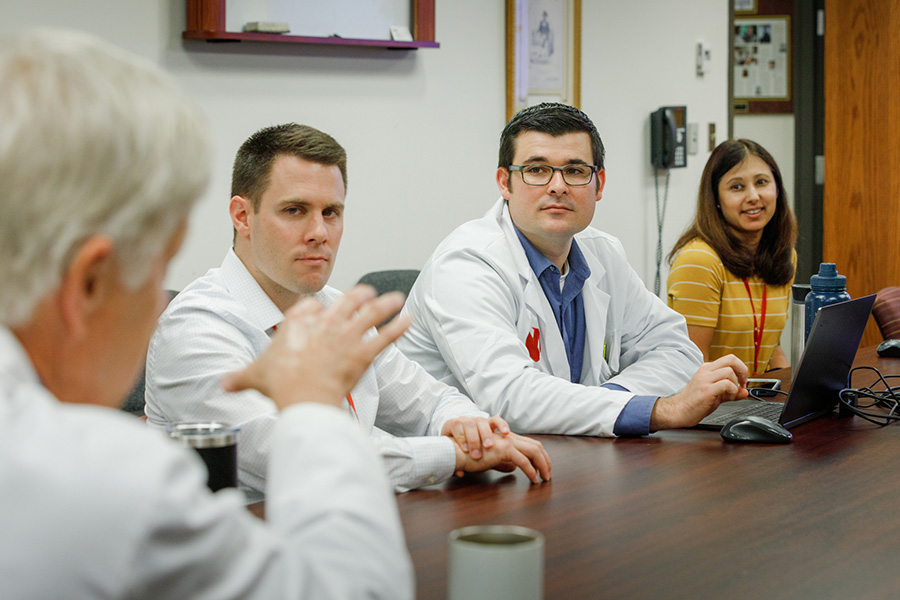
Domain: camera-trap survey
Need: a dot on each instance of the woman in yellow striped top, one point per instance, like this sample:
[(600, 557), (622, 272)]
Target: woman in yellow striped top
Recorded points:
[(732, 269)]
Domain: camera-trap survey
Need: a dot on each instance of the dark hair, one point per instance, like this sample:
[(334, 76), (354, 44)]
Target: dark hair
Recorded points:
[(772, 259), (253, 162), (553, 119)]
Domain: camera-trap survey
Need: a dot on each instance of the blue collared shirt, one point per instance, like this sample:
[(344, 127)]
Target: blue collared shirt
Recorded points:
[(567, 304), (568, 308)]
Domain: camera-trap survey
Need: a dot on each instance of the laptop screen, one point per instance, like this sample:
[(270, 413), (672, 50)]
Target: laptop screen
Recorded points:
[(826, 360), (820, 375)]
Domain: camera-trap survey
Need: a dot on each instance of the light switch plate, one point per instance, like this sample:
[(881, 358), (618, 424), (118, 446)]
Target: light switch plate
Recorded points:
[(693, 138)]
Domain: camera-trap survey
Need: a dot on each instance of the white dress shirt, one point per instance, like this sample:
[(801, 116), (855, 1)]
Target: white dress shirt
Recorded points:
[(223, 321), (97, 505)]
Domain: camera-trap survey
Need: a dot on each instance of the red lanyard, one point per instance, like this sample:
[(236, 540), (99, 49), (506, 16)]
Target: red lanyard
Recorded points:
[(353, 406), (757, 330)]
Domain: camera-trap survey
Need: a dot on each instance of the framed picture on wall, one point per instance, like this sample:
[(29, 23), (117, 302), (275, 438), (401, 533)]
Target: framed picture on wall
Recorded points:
[(543, 53)]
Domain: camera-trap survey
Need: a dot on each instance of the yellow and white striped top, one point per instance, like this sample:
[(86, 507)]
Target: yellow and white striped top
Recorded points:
[(709, 295)]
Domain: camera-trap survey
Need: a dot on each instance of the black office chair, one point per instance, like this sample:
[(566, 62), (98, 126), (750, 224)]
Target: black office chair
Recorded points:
[(134, 401), (396, 280)]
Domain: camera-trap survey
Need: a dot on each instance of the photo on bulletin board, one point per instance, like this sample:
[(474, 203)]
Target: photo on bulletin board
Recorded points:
[(543, 53), (762, 64)]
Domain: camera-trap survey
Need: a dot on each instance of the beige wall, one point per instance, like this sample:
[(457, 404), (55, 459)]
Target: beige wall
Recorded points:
[(421, 127)]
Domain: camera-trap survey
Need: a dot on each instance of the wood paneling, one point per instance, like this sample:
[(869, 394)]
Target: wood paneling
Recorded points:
[(861, 210), (423, 20)]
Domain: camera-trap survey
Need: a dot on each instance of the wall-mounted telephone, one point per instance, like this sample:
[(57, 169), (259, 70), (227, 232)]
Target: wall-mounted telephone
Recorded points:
[(668, 137)]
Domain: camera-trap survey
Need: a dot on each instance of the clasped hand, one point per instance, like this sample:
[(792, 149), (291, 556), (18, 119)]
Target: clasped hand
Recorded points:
[(487, 443)]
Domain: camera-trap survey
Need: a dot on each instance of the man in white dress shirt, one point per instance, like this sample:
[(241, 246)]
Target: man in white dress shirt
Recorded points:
[(101, 160), (287, 206)]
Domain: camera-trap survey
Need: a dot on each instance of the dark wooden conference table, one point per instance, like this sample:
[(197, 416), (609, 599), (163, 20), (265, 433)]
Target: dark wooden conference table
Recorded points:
[(682, 514)]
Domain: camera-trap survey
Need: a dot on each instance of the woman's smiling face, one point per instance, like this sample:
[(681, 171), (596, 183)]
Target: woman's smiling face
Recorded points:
[(748, 197)]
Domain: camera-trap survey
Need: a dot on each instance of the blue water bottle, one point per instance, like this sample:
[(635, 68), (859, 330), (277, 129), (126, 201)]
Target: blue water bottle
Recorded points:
[(826, 288)]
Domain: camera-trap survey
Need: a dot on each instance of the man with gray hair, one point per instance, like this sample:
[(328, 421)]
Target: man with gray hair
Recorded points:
[(101, 160)]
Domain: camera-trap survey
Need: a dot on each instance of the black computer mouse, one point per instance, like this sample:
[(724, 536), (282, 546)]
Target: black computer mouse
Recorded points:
[(889, 349), (751, 428)]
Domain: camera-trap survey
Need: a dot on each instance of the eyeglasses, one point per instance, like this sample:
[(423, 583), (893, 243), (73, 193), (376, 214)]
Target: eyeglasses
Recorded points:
[(542, 174)]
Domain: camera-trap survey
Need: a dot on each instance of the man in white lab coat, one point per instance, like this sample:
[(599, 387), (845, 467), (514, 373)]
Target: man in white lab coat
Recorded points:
[(539, 318), (101, 160)]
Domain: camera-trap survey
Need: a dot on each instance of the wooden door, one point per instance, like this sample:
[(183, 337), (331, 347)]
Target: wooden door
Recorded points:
[(861, 212)]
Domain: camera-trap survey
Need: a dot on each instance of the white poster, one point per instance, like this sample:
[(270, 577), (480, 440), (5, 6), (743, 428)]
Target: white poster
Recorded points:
[(762, 58), (547, 45)]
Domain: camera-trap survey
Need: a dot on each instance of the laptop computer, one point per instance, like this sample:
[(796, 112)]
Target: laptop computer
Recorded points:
[(821, 374)]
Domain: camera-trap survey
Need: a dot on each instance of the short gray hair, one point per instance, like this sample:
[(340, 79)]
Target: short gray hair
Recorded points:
[(93, 141)]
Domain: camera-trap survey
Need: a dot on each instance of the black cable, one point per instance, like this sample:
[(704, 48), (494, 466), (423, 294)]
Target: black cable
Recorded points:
[(887, 399), (760, 394), (660, 218)]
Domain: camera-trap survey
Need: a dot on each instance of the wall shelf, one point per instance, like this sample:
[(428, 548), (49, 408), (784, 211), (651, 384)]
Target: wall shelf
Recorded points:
[(206, 21)]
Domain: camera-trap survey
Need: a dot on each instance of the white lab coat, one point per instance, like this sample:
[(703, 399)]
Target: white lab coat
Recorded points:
[(95, 505), (477, 300)]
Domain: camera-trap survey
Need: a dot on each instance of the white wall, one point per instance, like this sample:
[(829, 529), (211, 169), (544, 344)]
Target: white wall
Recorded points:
[(638, 56), (421, 127)]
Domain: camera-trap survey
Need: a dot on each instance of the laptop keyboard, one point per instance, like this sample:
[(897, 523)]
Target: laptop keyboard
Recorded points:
[(767, 410)]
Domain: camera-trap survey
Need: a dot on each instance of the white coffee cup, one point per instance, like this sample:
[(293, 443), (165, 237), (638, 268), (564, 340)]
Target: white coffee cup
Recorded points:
[(496, 561)]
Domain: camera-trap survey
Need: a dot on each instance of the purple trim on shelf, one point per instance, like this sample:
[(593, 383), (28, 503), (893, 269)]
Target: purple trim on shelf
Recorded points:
[(247, 36)]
